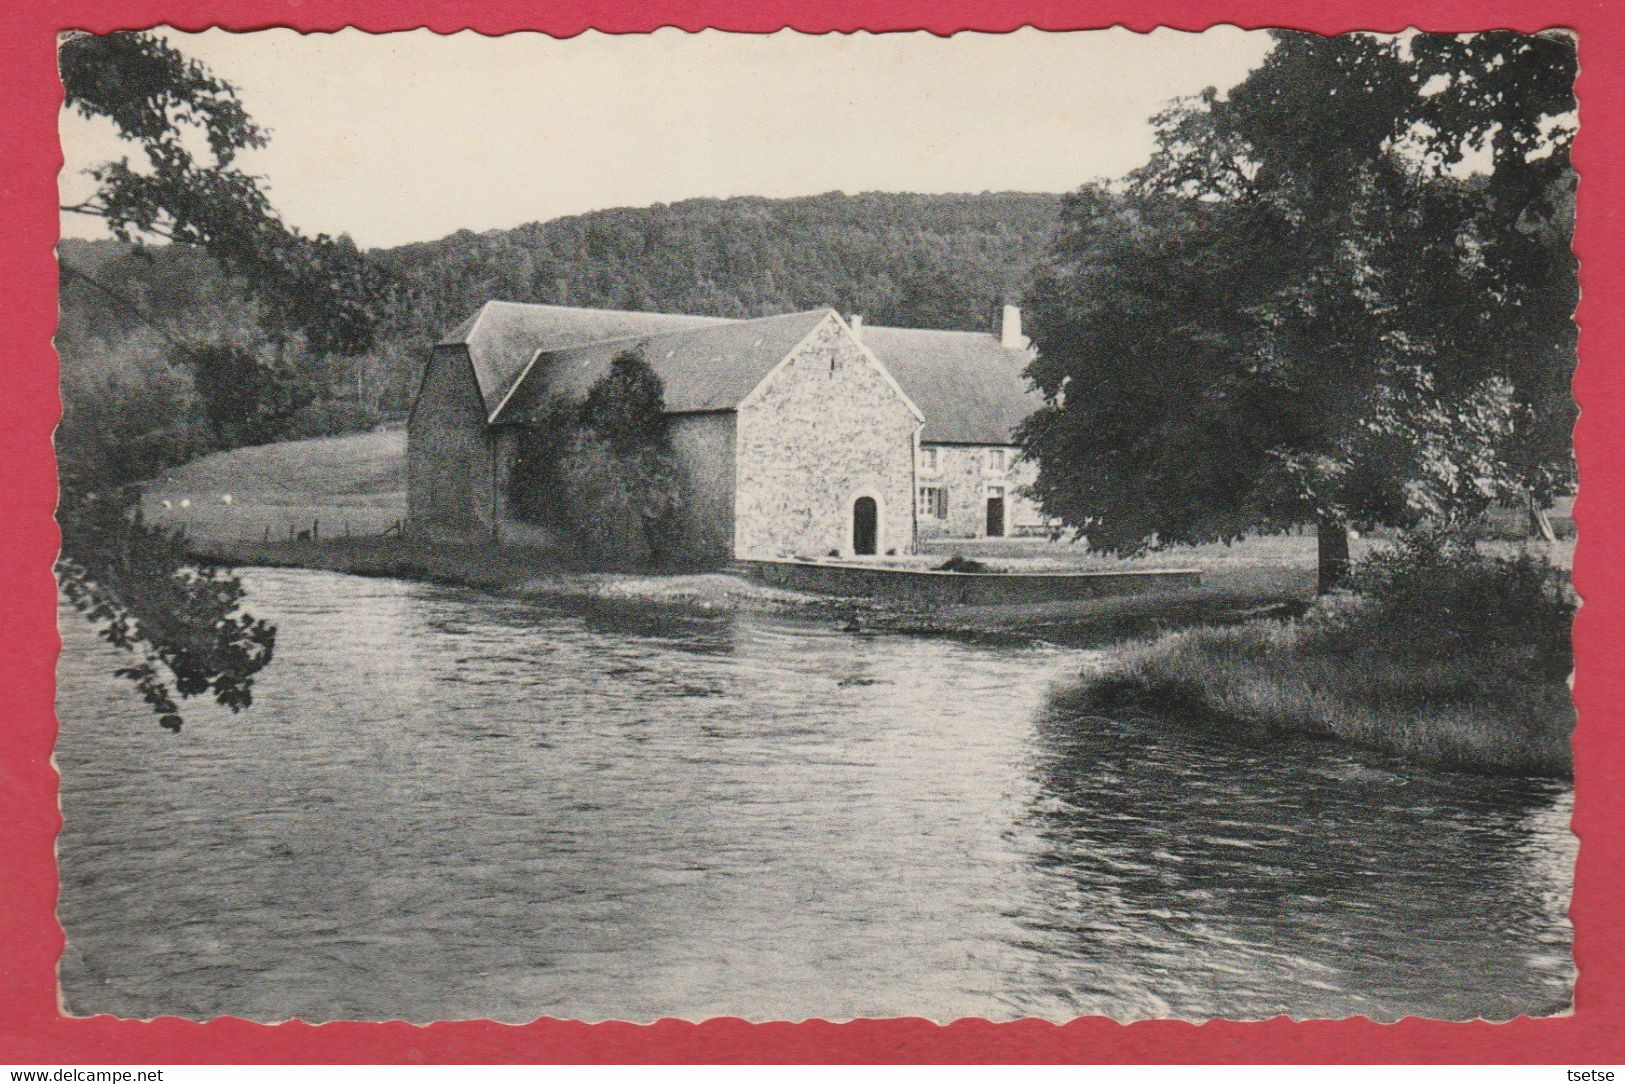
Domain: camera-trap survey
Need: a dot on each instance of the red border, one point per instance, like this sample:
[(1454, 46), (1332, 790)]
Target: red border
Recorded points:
[(32, 1031)]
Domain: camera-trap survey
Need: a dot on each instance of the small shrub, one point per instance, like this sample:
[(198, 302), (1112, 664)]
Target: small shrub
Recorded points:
[(1441, 598), (249, 394), (961, 563), (602, 473)]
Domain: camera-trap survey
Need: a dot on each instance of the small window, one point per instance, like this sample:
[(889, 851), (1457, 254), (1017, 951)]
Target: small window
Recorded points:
[(934, 502), (928, 460), (995, 459)]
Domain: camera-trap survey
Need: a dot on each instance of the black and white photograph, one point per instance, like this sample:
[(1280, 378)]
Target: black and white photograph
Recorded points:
[(816, 526)]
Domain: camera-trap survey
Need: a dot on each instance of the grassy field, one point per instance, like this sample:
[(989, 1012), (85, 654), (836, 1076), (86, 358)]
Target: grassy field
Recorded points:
[(347, 485)]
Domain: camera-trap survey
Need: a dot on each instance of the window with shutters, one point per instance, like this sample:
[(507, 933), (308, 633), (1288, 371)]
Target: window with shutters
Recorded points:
[(934, 502)]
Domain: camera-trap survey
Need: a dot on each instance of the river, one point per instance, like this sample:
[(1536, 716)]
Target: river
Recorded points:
[(445, 804)]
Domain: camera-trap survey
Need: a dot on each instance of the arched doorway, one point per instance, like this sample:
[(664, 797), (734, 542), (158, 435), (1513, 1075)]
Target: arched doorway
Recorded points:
[(865, 526)]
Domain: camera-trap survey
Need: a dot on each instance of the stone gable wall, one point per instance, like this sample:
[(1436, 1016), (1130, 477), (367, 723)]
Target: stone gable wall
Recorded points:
[(449, 462), (824, 429)]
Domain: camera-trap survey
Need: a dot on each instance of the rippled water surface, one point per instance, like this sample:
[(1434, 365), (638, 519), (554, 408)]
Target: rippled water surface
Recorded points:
[(445, 804)]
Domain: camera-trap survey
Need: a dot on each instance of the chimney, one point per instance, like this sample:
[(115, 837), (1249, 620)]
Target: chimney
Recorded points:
[(1010, 337), (855, 322)]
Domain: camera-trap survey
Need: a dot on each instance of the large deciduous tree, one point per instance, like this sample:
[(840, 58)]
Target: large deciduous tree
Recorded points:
[(182, 621), (1339, 293)]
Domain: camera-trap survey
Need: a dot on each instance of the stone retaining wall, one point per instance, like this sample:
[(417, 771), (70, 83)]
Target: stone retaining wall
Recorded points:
[(926, 587)]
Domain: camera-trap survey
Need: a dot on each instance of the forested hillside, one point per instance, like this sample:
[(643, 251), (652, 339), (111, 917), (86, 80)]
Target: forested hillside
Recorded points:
[(911, 260), (905, 259)]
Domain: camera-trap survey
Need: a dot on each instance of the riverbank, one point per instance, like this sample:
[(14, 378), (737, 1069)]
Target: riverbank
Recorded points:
[(1486, 709), (1230, 592), (1243, 650), (249, 506), (507, 570)]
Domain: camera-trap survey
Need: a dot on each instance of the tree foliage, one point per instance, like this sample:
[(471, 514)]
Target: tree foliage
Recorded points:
[(128, 412), (910, 260), (183, 621), (601, 471), (943, 261), (162, 101), (1341, 292)]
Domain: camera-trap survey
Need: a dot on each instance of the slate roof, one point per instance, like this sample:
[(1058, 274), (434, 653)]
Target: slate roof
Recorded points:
[(704, 368), (503, 336), (970, 388)]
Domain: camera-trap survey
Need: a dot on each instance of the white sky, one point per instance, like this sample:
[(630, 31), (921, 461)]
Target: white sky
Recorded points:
[(408, 137)]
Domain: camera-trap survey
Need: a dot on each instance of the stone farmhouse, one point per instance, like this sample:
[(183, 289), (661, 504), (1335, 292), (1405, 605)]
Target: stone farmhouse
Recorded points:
[(801, 435)]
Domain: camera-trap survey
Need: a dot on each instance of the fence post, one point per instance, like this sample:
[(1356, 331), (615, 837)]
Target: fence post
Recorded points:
[(315, 529)]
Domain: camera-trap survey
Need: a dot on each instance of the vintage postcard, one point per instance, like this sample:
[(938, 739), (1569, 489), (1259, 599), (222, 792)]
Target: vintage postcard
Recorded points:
[(790, 526)]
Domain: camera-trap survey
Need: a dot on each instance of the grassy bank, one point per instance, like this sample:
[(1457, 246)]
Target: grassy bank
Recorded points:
[(1347, 671)]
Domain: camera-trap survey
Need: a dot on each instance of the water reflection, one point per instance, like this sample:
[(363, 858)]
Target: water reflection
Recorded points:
[(1296, 877), (447, 805)]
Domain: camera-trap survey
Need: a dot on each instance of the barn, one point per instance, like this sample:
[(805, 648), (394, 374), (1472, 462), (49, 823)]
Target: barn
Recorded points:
[(798, 435)]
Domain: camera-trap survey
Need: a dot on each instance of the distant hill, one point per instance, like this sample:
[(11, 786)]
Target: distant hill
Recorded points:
[(904, 259), (941, 261)]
